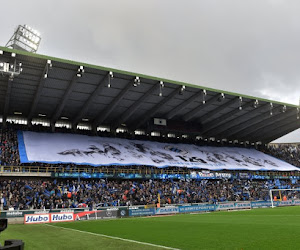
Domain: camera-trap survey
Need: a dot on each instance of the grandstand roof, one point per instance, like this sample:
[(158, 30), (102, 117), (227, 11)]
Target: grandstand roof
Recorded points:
[(87, 98)]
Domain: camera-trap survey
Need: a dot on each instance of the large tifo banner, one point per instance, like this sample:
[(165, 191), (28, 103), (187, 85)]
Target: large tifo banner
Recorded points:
[(97, 151)]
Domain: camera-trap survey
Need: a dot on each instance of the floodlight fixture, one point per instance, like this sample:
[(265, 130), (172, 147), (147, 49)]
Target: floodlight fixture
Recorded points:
[(182, 89), (80, 71), (110, 77), (255, 104), (49, 63), (204, 93), (240, 103), (136, 81), (10, 69), (1, 52), (284, 109), (221, 97), (25, 38), (161, 86), (48, 67), (271, 108)]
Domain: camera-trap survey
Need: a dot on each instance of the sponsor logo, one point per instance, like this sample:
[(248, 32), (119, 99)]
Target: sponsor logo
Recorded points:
[(123, 212), (113, 209), (34, 218), (60, 217), (108, 213), (14, 214), (167, 210)]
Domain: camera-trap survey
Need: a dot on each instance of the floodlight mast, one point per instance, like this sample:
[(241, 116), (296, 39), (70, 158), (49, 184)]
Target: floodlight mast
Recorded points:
[(25, 38)]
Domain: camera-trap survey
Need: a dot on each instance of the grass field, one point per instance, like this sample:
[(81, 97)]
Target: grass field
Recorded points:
[(277, 228)]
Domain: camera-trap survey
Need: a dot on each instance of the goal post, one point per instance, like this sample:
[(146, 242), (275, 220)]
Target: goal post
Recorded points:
[(283, 195)]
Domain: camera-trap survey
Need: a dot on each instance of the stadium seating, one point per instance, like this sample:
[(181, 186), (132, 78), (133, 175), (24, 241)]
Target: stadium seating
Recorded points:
[(25, 193), (21, 194)]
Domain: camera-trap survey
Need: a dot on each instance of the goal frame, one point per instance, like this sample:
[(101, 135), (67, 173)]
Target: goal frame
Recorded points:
[(279, 189)]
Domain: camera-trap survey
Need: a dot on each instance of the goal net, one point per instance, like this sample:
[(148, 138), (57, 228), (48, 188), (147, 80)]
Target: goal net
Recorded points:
[(282, 197)]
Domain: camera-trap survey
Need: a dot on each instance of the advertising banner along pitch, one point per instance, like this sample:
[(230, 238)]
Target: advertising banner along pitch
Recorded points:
[(97, 151)]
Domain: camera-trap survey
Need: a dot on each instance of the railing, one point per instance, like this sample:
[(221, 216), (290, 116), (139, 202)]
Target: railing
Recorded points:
[(116, 170), (108, 170)]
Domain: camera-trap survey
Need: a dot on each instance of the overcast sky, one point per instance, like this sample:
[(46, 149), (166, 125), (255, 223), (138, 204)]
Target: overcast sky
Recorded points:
[(250, 47)]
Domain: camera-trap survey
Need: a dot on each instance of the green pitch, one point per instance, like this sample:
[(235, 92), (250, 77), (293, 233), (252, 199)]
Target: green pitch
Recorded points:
[(277, 228)]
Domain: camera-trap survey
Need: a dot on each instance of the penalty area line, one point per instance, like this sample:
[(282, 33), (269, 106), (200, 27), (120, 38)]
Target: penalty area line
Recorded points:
[(114, 237)]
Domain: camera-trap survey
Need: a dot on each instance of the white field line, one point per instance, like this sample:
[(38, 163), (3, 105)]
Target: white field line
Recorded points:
[(113, 237)]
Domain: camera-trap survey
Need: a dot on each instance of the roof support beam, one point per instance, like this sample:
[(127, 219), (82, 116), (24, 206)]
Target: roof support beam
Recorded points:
[(90, 100), (64, 99), (156, 108), (234, 131), (283, 130), (217, 110), (103, 115), (181, 106), (134, 107), (208, 128), (188, 116), (38, 93), (234, 123), (264, 126), (7, 100)]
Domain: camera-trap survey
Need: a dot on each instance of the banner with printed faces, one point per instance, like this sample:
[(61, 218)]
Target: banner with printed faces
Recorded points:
[(96, 151)]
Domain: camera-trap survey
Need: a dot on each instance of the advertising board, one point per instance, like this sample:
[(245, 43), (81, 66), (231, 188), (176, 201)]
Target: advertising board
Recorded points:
[(36, 218), (97, 214), (142, 212), (61, 217)]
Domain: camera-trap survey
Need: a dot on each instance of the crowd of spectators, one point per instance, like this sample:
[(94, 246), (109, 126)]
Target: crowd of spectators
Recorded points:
[(48, 194), (287, 152), (9, 153)]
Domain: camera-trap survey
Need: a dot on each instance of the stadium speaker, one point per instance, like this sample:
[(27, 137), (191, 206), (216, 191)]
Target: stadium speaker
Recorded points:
[(10, 244)]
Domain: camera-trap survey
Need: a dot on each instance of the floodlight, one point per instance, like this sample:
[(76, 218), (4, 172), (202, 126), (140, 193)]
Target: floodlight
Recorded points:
[(80, 71), (161, 86), (49, 63), (203, 95), (10, 69), (136, 81), (110, 77), (182, 90), (284, 109), (255, 104), (240, 102), (25, 38), (221, 97), (13, 54), (271, 108), (48, 67), (1, 52)]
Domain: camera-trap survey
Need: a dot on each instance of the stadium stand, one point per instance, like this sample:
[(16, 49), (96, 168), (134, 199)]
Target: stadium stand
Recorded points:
[(24, 194), (57, 96), (31, 193)]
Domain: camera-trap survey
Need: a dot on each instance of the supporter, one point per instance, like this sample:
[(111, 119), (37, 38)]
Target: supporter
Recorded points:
[(44, 194), (287, 152)]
